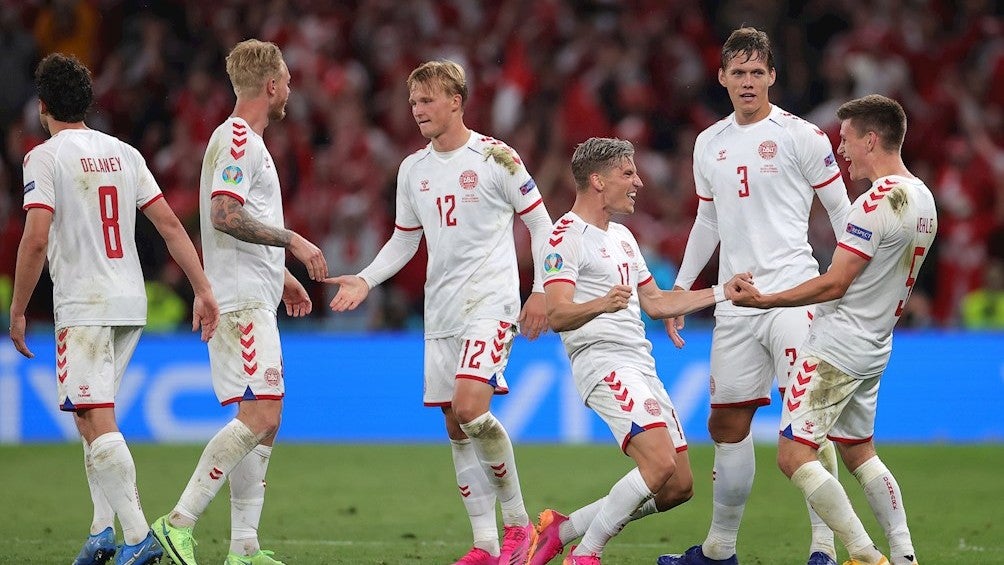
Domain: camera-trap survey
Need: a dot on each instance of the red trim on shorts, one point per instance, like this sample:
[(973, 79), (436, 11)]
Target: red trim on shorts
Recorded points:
[(681, 449), (857, 252), (826, 182), (743, 404), (559, 280), (498, 389), (233, 195), (651, 426), (699, 197), (532, 206), (78, 407), (849, 441), (646, 281), (152, 200), (39, 205), (437, 404), (402, 228), (257, 397), (803, 441)]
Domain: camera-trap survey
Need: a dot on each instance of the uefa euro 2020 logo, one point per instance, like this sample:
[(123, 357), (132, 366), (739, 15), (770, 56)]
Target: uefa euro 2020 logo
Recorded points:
[(553, 263), (233, 175)]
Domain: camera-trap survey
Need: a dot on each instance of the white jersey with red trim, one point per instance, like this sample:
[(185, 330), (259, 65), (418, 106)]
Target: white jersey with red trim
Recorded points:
[(762, 178), (237, 164), (595, 261), (893, 226), (465, 202), (93, 184)]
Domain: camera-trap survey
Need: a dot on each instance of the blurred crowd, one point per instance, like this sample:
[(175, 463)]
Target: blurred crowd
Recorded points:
[(544, 76)]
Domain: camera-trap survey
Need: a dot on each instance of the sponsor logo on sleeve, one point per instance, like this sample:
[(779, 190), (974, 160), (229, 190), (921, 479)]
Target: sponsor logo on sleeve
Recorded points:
[(859, 232), (527, 187), (233, 175), (29, 187), (553, 263), (829, 160)]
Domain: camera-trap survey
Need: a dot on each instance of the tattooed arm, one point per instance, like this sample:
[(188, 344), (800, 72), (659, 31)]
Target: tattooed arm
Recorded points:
[(230, 217)]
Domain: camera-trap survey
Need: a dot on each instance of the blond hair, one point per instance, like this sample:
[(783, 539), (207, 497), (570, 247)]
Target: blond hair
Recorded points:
[(251, 63), (446, 75), (597, 155)]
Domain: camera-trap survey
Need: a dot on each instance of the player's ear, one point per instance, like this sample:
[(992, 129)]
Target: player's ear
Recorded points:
[(721, 76), (773, 77)]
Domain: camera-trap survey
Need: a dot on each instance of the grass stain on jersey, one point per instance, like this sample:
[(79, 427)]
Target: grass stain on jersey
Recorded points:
[(897, 199), (503, 156)]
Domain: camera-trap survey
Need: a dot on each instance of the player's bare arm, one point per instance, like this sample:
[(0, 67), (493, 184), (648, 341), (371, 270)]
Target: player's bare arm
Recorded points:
[(295, 297), (533, 318), (352, 290), (660, 304), (230, 217), (205, 310), (831, 285), (30, 261), (564, 314)]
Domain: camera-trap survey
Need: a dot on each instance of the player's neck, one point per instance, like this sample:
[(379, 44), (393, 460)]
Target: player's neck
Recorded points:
[(453, 138), (592, 215), (56, 126), (745, 119), (889, 166), (254, 112)]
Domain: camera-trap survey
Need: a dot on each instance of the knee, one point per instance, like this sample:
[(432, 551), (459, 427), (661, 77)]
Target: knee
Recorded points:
[(730, 426), (674, 493), (465, 411), (658, 472), (787, 462)]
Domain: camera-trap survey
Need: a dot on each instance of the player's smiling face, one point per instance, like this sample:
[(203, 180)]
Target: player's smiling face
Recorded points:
[(747, 82), (620, 187), (433, 109)]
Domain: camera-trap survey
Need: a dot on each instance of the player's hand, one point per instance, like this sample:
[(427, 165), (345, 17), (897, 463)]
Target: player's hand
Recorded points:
[(674, 325), (617, 298), (352, 290), (741, 292), (205, 314), (309, 255), (533, 318), (17, 328), (295, 297)]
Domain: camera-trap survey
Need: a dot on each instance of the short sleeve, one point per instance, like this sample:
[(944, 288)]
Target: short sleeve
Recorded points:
[(518, 187), (235, 165), (863, 232), (815, 155), (39, 188), (147, 189), (561, 255)]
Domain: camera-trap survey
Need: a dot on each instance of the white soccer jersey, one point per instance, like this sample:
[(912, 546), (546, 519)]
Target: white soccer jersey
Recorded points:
[(237, 163), (465, 203), (595, 261), (93, 184), (893, 226), (762, 179)]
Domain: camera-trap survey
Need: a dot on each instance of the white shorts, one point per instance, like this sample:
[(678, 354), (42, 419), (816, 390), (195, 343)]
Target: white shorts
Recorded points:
[(631, 402), (748, 352), (822, 402), (246, 358), (90, 362), (480, 353)]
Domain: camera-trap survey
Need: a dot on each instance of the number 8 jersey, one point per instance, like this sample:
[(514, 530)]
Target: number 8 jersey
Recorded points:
[(93, 184)]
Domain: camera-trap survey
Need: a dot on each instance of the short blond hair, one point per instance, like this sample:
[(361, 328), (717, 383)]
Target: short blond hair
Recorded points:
[(445, 74), (251, 63)]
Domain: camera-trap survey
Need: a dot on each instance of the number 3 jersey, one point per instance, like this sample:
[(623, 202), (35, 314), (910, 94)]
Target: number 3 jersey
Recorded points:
[(465, 201), (762, 178), (594, 261), (892, 226), (93, 184), (237, 164)]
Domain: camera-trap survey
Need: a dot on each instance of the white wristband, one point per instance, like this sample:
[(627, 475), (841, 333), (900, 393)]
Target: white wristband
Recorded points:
[(719, 292)]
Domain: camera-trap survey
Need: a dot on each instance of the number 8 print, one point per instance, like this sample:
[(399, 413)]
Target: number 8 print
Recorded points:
[(108, 199)]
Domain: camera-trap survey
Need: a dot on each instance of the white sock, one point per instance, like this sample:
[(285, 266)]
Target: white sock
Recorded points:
[(735, 466), (830, 501), (477, 494), (220, 456), (115, 472), (886, 501), (625, 498), (494, 449), (247, 495), (822, 535), (104, 516), (578, 522)]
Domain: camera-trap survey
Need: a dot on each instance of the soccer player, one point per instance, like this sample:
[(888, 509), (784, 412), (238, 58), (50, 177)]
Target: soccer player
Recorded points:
[(462, 191), (756, 173), (596, 284), (834, 394), (82, 189), (244, 240)]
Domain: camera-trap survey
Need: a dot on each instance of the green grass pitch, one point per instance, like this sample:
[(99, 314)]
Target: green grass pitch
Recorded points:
[(397, 504)]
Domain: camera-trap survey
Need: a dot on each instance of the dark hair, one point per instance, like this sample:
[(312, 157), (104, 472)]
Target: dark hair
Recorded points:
[(597, 154), (750, 42), (879, 114), (64, 84)]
